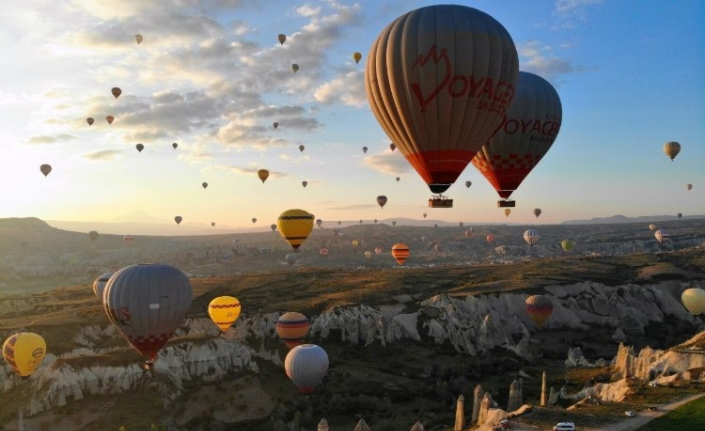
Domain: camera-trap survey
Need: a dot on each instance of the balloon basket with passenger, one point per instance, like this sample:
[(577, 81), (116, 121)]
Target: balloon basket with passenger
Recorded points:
[(440, 201), (506, 204)]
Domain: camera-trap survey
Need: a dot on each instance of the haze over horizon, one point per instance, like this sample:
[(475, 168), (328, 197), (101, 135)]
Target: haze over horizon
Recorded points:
[(212, 77)]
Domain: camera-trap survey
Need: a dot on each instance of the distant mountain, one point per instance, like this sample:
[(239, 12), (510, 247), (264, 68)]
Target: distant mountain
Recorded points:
[(617, 219)]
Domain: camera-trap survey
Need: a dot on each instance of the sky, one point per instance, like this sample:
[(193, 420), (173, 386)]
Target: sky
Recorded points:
[(212, 77)]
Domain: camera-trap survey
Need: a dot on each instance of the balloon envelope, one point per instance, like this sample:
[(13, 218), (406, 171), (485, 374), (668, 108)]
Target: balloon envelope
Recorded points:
[(671, 149), (174, 145), (661, 235), (468, 184), (694, 300), (139, 147), (138, 38), (539, 309), (116, 91), (439, 80), (109, 119), (304, 183), (507, 211), (381, 200), (319, 222), (291, 258), (147, 303), (93, 235), (224, 311), (306, 365), (295, 225), (567, 245), (263, 174), (537, 212), (281, 38), (178, 219), (45, 169), (302, 148), (323, 252), (273, 226), (295, 67), (531, 236), (99, 284), (524, 137), (90, 121), (357, 57), (24, 352), (292, 327), (400, 252)]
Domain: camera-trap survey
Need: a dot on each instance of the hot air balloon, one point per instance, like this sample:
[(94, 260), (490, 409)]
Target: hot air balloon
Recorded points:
[(661, 236), (652, 227), (378, 250), (99, 284), (45, 169), (672, 149), (109, 119), (694, 300), (116, 92), (306, 365), (424, 238), (688, 187), (263, 174), (394, 222), (398, 179), (281, 38), (273, 226), (323, 252), (567, 245), (174, 145), (127, 238), (138, 38), (490, 238), (381, 200), (468, 233), (302, 148), (24, 352), (400, 252), (392, 146), (178, 219), (438, 247), (439, 80), (90, 121), (357, 57), (539, 309), (292, 328), (364, 150), (537, 212), (460, 224), (531, 236), (680, 215), (254, 220), (204, 185), (224, 311), (295, 67), (93, 235), (507, 211), (275, 124), (319, 222), (355, 243), (212, 224), (368, 254), (424, 215), (523, 138), (147, 303), (295, 225), (290, 258), (468, 184), (375, 221), (139, 147)]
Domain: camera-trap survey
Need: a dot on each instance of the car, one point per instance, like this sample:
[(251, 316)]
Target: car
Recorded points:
[(564, 426), (630, 413)]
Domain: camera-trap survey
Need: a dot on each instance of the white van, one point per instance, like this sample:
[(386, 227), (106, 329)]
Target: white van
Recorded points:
[(564, 426)]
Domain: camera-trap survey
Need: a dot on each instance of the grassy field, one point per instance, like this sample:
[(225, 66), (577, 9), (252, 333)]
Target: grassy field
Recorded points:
[(689, 417)]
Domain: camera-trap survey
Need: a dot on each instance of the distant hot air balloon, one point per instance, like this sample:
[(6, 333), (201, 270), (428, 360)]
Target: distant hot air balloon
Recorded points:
[(394, 222), (357, 57), (688, 186), (273, 226), (661, 235), (355, 243), (378, 250), (694, 300), (360, 221), (531, 236), (302, 148), (400, 252), (212, 224), (375, 221), (147, 303), (567, 245), (364, 150), (490, 238), (398, 179), (537, 212), (438, 247), (539, 309), (110, 119), (424, 215), (263, 174), (116, 92), (127, 238), (439, 80), (460, 224), (45, 169), (392, 146), (680, 215), (93, 235), (139, 147), (204, 185), (275, 124), (652, 227), (672, 149), (424, 238), (304, 183), (295, 67), (381, 200), (339, 222), (507, 211), (174, 145), (254, 220), (90, 121), (281, 38), (292, 328), (306, 365), (138, 38), (99, 284), (368, 254), (468, 184), (224, 311), (24, 352), (468, 233), (290, 258), (319, 222), (323, 252), (178, 219), (523, 138), (295, 225)]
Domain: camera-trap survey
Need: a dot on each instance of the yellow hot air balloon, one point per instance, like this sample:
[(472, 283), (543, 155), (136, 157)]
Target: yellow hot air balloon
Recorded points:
[(281, 38), (355, 243), (263, 174), (694, 300), (24, 352), (368, 254), (507, 211), (567, 244), (295, 225), (295, 67), (672, 149), (138, 38), (224, 311), (400, 253), (357, 57)]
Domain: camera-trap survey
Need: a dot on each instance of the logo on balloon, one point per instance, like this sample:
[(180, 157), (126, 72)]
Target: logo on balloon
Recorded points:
[(38, 353), (493, 97), (540, 132)]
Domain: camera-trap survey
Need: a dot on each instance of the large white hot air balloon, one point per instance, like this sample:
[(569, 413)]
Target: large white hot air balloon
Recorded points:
[(306, 365), (531, 236)]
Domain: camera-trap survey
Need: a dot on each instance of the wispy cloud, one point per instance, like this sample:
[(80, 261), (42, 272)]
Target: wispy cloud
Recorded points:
[(101, 155), (539, 59), (387, 163), (45, 139), (571, 11), (348, 89)]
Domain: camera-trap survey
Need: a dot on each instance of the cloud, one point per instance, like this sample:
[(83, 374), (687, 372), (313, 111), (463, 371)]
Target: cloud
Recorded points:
[(50, 139), (244, 171), (387, 163), (308, 11), (568, 11), (348, 89), (537, 58), (101, 154)]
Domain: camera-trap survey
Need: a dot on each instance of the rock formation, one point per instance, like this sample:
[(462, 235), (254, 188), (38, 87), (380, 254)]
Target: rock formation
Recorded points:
[(478, 395), (543, 389), (486, 404), (459, 414), (515, 396)]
